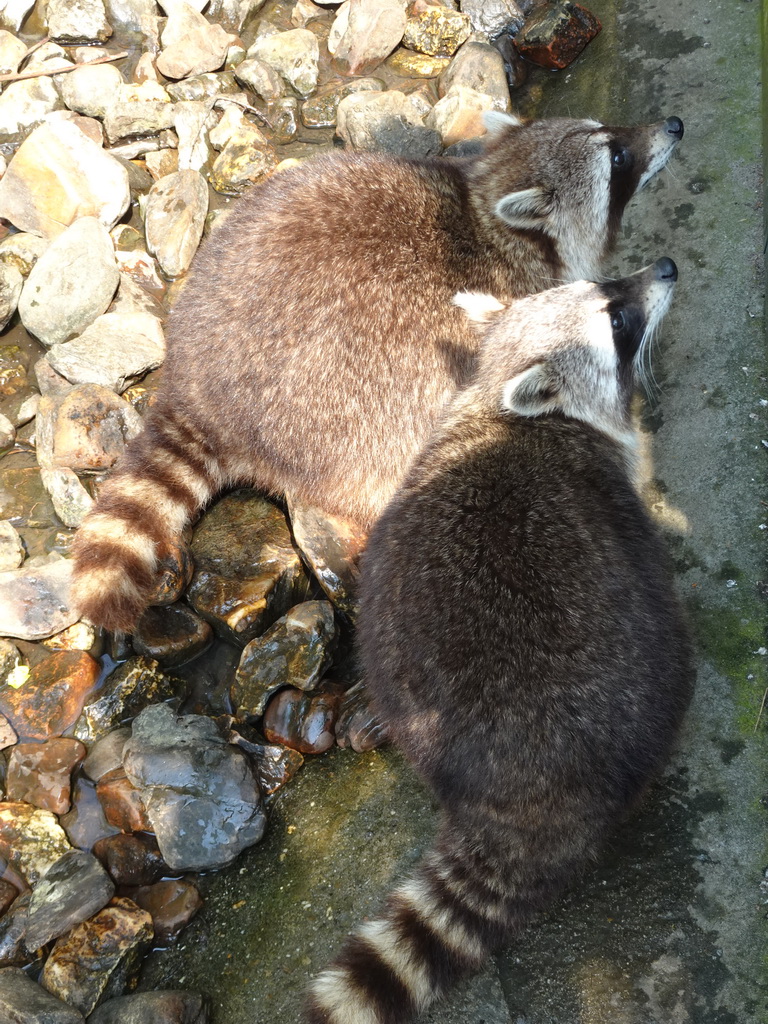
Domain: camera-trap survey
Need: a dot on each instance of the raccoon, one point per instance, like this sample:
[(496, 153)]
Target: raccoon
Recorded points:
[(520, 635), (316, 342)]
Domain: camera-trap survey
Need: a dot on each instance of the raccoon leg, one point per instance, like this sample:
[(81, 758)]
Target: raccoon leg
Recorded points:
[(166, 475)]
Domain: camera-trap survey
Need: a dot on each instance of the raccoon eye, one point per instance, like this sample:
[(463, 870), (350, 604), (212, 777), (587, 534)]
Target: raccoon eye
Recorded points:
[(618, 321), (621, 158)]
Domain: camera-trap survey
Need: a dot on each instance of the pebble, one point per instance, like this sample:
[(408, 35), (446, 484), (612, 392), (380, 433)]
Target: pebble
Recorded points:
[(23, 1001), (202, 87), (385, 122), (246, 159), (81, 22), (301, 721), (357, 726), (260, 78), (115, 349), (7, 432), (320, 110), (191, 777), (556, 33), (162, 162), (33, 838), (274, 765), (437, 31), (332, 547), (131, 859), (91, 90), (12, 49), (175, 215), (70, 499), (172, 903), (106, 753), (459, 114), (171, 634), (24, 103), (293, 54), (74, 888), (71, 284), (132, 686), (97, 957), (364, 33), (8, 735), (191, 45), (480, 67), (85, 822), (493, 16), (122, 802), (51, 699), (34, 600), (295, 651), (11, 282), (40, 773), (92, 428), (166, 1007)]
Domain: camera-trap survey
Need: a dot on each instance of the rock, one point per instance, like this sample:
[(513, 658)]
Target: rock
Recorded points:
[(171, 634), (40, 774), (85, 823), (260, 78), (162, 162), (202, 87), (296, 651), (33, 838), (293, 54), (78, 637), (92, 428), (166, 1007), (320, 110), (556, 33), (13, 366), (106, 753), (131, 687), (11, 548), (13, 927), (131, 14), (7, 432), (22, 251), (91, 90), (480, 67), (515, 67), (59, 175), (459, 114), (8, 893), (357, 726), (51, 699), (200, 792), (34, 600), (365, 33), (493, 16), (141, 267), (12, 49), (10, 290), (13, 13), (21, 406), (385, 122), (114, 350), (301, 721), (127, 119), (248, 572), (332, 547), (7, 733), (191, 45), (73, 889), (94, 960), (408, 64), (122, 802), (71, 284), (437, 31), (274, 765), (174, 219), (23, 1001), (51, 384), (246, 159), (172, 904), (10, 662), (70, 499), (131, 860), (284, 118), (81, 22), (25, 103), (192, 121)]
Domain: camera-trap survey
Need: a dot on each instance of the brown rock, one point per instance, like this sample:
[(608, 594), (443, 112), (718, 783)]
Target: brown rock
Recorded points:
[(40, 773), (332, 547), (172, 635), (131, 687), (122, 803), (85, 823), (556, 33), (172, 904), (301, 721), (53, 697), (8, 893), (364, 33), (7, 733), (131, 860), (191, 45), (274, 765), (92, 428)]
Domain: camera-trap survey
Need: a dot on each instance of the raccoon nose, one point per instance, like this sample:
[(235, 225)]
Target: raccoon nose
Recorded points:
[(674, 126), (665, 269)]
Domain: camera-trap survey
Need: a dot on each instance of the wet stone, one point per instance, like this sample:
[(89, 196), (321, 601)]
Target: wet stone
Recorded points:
[(85, 822), (459, 114), (202, 87), (106, 753), (131, 860), (357, 726), (319, 111), (13, 365), (40, 773), (494, 16), (556, 33), (191, 44), (8, 893), (23, 1001), (332, 547), (408, 64), (172, 903), (200, 792), (132, 686), (172, 635), (13, 927), (81, 22), (480, 67), (33, 838), (128, 119), (274, 765), (7, 733), (93, 426), (293, 54), (301, 721), (284, 117), (174, 219), (260, 78), (245, 159), (385, 122), (11, 548), (73, 889), (22, 251), (53, 696), (296, 651), (122, 802), (437, 31), (364, 33), (11, 282), (95, 960), (248, 572), (78, 637), (24, 501), (167, 1007)]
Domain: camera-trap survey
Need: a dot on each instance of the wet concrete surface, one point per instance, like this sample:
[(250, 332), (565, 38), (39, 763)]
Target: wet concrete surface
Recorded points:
[(670, 927)]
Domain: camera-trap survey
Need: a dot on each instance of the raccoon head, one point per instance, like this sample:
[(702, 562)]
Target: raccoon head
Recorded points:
[(575, 351), (570, 179)]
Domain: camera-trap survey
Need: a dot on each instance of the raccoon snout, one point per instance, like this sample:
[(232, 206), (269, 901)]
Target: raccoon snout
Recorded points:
[(674, 127), (666, 269)]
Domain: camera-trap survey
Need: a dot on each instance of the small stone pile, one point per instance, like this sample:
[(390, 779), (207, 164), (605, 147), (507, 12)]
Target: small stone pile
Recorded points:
[(129, 765)]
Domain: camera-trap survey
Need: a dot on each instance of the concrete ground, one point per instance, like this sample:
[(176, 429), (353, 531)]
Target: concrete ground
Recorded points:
[(671, 927)]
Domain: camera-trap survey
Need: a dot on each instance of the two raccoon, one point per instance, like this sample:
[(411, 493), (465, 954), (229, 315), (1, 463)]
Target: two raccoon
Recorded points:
[(316, 342)]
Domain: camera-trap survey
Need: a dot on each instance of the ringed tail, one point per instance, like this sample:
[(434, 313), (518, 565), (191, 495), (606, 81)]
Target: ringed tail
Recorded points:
[(166, 475)]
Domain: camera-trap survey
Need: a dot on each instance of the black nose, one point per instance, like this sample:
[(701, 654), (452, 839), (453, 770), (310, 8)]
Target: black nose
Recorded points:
[(665, 269), (674, 126)]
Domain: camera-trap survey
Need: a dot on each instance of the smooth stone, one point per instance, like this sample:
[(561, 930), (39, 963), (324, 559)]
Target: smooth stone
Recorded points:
[(332, 547), (293, 54), (34, 839), (172, 634), (116, 348), (92, 429), (260, 78), (191, 44), (284, 117), (480, 67), (11, 282), (131, 859), (85, 822), (40, 774), (437, 31), (130, 14), (7, 432), (295, 651), (78, 637), (408, 64), (493, 16), (8, 736), (71, 284), (174, 219), (319, 111), (134, 684), (13, 13), (364, 33), (21, 405), (52, 698), (162, 162), (12, 49), (193, 120), (81, 22), (91, 90), (274, 765), (70, 499), (385, 122), (515, 67), (23, 1001), (106, 753), (166, 1007), (34, 600), (357, 726), (122, 802), (200, 792), (172, 903), (246, 159), (73, 889), (127, 118), (25, 103), (202, 87), (459, 114), (22, 250), (13, 927), (97, 957), (301, 721)]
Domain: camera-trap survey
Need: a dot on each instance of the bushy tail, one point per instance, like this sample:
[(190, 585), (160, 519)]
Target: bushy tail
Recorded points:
[(460, 905), (166, 475)]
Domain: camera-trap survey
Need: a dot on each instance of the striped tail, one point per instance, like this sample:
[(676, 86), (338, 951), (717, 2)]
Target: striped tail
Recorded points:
[(165, 477), (436, 927)]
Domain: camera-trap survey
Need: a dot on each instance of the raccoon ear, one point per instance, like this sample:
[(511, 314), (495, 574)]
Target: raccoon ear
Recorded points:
[(533, 392), (480, 307), (496, 121), (526, 208)]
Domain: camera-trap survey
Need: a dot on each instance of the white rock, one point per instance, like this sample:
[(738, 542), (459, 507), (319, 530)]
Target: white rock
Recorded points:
[(91, 90), (233, 14), (82, 21), (386, 122), (192, 120), (34, 600), (7, 432), (11, 282), (22, 250), (25, 103), (366, 33), (58, 175), (191, 44), (478, 66), (11, 548), (71, 284), (459, 114), (113, 351), (293, 54), (12, 49), (175, 217), (131, 14), (145, 117), (260, 78), (13, 13), (69, 498)]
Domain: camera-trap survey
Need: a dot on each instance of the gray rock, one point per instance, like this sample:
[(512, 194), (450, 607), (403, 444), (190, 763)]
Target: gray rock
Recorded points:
[(199, 791), (25, 103), (319, 111), (166, 1007), (131, 14), (10, 661), (385, 122), (293, 54), (493, 16), (70, 499), (23, 1001), (91, 90), (131, 687), (73, 889), (192, 121), (260, 78), (202, 87), (191, 44), (115, 349), (233, 14), (129, 118), (478, 66), (7, 432), (81, 22), (13, 13), (364, 33), (71, 284), (13, 926), (459, 114), (34, 600), (11, 548), (106, 753), (10, 290), (174, 219)]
